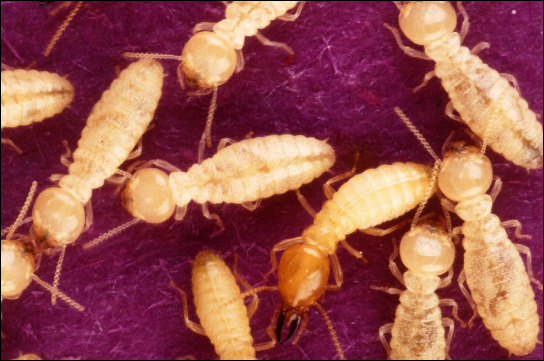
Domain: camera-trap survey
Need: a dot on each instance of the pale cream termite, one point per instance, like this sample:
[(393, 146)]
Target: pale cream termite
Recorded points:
[(30, 96), (487, 103), (113, 128), (28, 356), (214, 52), (18, 261), (220, 308), (418, 331), (242, 173), (366, 200), (500, 285)]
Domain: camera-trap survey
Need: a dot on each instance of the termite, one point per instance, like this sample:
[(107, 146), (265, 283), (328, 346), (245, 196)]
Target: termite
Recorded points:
[(28, 356), (30, 96), (242, 173), (113, 128), (493, 268), (220, 308), (487, 103), (19, 261), (366, 200), (214, 52), (418, 332)]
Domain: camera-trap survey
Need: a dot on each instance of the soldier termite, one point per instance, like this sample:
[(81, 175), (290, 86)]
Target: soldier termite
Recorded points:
[(487, 103), (220, 308), (500, 285), (366, 200), (19, 261), (242, 173), (214, 52), (418, 331), (113, 128), (30, 96)]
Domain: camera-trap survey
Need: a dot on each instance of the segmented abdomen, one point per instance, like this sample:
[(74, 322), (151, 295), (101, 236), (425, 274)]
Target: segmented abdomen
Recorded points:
[(417, 333), (31, 96), (253, 169), (492, 108), (245, 18), (114, 126), (368, 199), (500, 287), (220, 308)]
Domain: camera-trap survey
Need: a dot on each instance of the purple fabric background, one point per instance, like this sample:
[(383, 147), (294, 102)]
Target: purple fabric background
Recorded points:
[(345, 79)]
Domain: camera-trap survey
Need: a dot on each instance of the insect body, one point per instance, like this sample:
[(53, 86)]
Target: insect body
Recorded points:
[(418, 331), (490, 106), (30, 96), (366, 200), (221, 310)]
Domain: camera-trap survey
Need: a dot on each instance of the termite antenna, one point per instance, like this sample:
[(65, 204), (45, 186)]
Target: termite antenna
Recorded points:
[(428, 193), (56, 279), (331, 331), (59, 294), (24, 221), (206, 136), (19, 221), (398, 4), (109, 234), (62, 28), (132, 55)]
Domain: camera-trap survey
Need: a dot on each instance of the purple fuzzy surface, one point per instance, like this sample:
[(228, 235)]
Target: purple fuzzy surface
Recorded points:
[(346, 77)]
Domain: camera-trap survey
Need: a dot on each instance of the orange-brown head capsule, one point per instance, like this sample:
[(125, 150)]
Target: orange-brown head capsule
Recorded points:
[(208, 60), (465, 172), (302, 275), (425, 22)]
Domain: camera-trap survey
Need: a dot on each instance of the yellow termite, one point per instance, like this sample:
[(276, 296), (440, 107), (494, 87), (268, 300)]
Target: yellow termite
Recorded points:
[(28, 356), (214, 52), (418, 331), (30, 96), (366, 200), (18, 261), (242, 173), (113, 128), (500, 285), (487, 103), (220, 308)]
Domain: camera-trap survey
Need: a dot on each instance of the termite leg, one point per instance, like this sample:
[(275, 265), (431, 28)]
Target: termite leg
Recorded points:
[(6, 67), (446, 281), (447, 143), (450, 113), (137, 151), (275, 44), (383, 330), (293, 17), (466, 24), (390, 290), (447, 205), (393, 265), (479, 47), (527, 252), (180, 213), (11, 144), (409, 51), (461, 280), (455, 308), (252, 206), (353, 251), (497, 187), (476, 139), (378, 232), (448, 322), (455, 235), (426, 79), (193, 326), (278, 247), (224, 143), (204, 26), (511, 79), (337, 272), (270, 330), (206, 213), (517, 224), (254, 304), (88, 216), (120, 179), (64, 159), (305, 204), (239, 60), (328, 189)]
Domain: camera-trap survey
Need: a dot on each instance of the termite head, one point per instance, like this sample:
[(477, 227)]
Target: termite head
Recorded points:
[(58, 217), (425, 22), (465, 172), (17, 268), (302, 276), (427, 249), (147, 196), (208, 60)]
